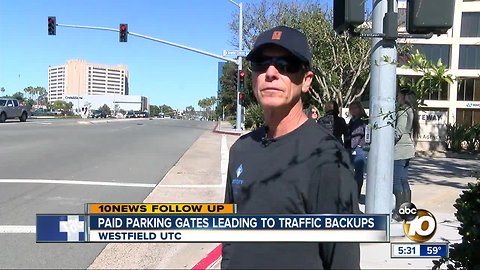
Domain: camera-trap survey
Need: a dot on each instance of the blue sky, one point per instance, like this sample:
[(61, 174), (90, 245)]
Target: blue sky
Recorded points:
[(166, 74)]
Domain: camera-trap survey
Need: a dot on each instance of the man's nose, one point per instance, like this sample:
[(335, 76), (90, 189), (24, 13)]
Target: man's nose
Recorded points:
[(272, 72)]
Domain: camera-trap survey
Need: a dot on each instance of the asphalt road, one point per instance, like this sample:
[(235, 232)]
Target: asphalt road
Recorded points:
[(139, 152)]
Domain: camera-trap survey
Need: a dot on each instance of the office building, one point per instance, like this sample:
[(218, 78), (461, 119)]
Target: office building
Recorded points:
[(79, 78), (459, 50)]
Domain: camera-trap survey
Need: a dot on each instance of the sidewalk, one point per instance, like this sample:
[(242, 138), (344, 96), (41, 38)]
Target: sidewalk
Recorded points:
[(199, 176)]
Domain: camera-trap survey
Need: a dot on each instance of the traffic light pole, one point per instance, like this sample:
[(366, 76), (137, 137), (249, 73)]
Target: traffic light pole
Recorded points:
[(238, 125), (154, 39), (383, 67)]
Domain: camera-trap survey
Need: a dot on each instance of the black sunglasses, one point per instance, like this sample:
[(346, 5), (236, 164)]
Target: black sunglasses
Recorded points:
[(282, 64)]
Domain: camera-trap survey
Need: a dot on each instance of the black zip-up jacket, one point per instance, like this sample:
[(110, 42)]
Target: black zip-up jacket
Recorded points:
[(306, 171)]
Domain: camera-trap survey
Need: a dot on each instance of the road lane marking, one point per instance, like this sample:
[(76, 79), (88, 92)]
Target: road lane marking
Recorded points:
[(17, 229), (75, 182), (224, 159), (190, 186)]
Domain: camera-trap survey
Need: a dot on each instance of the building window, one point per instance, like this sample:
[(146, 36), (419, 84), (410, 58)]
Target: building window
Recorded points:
[(434, 95), (470, 24), (468, 116), (469, 57), (434, 52), (469, 89)]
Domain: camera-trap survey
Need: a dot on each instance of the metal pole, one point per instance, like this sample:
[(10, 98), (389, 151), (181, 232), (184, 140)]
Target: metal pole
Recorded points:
[(152, 38), (382, 100), (240, 66)]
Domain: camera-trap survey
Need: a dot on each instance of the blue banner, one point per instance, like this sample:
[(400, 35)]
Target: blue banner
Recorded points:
[(241, 222), (434, 250), (61, 228)]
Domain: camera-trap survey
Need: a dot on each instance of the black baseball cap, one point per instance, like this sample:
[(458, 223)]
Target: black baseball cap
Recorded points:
[(288, 38)]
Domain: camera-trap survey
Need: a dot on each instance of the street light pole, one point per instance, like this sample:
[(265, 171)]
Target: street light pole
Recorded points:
[(239, 63)]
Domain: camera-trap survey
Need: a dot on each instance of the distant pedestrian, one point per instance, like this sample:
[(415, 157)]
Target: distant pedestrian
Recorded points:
[(356, 140), (290, 165), (406, 129), (313, 113), (333, 122)]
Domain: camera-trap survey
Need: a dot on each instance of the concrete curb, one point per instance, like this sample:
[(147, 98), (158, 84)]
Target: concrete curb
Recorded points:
[(228, 132), (210, 260), (111, 120)]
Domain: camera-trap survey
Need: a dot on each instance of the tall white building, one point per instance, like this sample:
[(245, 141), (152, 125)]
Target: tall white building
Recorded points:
[(78, 78), (459, 49)]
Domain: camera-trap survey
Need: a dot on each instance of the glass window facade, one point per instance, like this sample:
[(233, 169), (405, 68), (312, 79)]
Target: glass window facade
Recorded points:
[(469, 57), (470, 24), (468, 116), (433, 52), (468, 89)]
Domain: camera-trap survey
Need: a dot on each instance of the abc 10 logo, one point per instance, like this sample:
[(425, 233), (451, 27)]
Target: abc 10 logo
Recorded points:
[(419, 224)]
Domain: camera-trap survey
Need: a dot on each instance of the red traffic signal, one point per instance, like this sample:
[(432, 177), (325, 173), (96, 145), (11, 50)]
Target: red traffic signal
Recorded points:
[(52, 25), (123, 32), (241, 75)]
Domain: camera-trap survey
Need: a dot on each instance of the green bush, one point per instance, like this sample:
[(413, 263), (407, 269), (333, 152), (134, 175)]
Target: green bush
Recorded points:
[(254, 116), (457, 134), (466, 255), (472, 137)]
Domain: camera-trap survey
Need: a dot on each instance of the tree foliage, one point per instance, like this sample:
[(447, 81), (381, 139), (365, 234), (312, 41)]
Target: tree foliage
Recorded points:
[(19, 96), (207, 104), (431, 76), (37, 94), (340, 62), (61, 105), (105, 109), (227, 98)]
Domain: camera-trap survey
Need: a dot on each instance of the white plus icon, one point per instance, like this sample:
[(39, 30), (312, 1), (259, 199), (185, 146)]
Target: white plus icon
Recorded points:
[(73, 227)]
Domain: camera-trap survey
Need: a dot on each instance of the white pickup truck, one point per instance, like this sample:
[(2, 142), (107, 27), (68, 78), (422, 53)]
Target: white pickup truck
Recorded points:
[(10, 108)]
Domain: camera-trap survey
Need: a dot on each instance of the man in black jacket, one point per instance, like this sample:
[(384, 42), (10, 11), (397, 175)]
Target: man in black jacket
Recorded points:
[(291, 165)]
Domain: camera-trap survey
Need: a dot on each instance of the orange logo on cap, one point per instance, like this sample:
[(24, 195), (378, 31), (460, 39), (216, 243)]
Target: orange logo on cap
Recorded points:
[(277, 35)]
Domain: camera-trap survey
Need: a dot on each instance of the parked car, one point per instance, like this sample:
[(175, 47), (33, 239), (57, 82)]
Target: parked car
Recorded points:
[(11, 108), (98, 114), (130, 114), (46, 112), (140, 114)]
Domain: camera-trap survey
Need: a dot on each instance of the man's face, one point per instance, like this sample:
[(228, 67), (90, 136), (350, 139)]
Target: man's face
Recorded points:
[(274, 87)]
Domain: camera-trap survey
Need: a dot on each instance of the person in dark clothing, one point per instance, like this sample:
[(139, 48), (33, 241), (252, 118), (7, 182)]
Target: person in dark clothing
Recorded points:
[(291, 165), (356, 140), (333, 122)]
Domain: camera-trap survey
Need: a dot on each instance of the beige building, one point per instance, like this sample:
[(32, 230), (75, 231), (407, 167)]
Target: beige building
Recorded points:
[(459, 50), (79, 78)]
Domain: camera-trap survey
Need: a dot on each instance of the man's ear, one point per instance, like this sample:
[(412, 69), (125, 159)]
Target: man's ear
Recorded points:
[(307, 81)]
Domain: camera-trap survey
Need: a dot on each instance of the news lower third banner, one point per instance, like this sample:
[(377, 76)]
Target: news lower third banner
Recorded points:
[(206, 225)]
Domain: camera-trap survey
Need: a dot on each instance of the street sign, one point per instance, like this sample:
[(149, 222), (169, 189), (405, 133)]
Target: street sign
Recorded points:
[(235, 53)]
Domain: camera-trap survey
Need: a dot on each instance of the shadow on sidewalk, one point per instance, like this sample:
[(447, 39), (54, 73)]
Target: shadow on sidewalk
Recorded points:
[(450, 172)]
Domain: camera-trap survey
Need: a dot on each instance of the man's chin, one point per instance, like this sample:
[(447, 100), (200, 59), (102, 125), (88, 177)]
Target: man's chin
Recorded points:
[(273, 102)]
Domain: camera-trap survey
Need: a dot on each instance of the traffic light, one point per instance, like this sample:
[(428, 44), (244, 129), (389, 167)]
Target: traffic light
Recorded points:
[(52, 26), (123, 32), (429, 16), (235, 80), (241, 98), (241, 75), (348, 14)]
